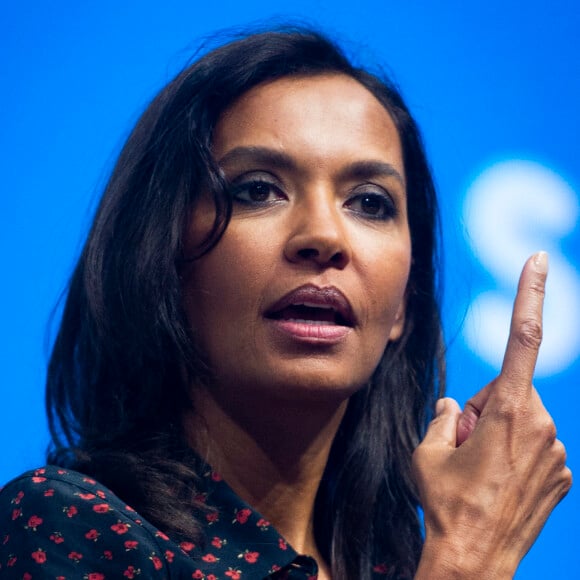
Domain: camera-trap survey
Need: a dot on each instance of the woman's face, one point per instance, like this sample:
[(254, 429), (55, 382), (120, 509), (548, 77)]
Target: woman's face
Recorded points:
[(307, 285)]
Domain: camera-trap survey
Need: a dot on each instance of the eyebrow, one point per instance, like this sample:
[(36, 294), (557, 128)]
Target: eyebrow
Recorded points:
[(262, 155), (364, 169), (372, 169)]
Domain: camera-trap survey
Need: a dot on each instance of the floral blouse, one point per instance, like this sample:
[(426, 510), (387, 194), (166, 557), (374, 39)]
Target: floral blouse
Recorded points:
[(60, 524)]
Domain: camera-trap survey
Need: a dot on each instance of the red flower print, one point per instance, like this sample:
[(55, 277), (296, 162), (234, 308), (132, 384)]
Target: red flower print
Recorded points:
[(48, 492), (282, 544), (11, 561), (16, 513), (211, 577), (129, 508), (87, 495), (131, 544), (161, 535), (89, 480), (262, 523), (233, 573), (101, 494), (198, 575), (274, 568), (187, 546), (92, 534), (18, 497), (71, 511), (381, 569), (218, 542), (157, 563), (5, 540), (95, 576), (108, 555), (56, 538), (33, 522), (27, 576), (169, 555), (76, 556), (242, 515), (215, 476), (131, 572), (120, 528), (212, 517), (209, 558), (251, 557), (101, 508), (38, 479), (61, 471), (39, 556)]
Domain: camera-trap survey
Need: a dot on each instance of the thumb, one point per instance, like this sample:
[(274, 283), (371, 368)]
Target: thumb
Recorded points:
[(442, 430)]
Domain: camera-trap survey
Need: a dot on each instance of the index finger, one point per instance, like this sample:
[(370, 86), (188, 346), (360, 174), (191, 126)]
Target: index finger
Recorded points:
[(526, 326)]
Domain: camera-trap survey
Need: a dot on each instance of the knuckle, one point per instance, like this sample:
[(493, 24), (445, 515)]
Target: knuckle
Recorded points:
[(566, 481), (529, 333), (559, 451), (538, 286), (547, 430), (506, 410), (470, 406), (568, 477)]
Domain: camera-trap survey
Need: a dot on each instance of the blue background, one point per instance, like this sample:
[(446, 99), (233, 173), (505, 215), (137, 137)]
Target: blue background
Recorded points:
[(495, 87)]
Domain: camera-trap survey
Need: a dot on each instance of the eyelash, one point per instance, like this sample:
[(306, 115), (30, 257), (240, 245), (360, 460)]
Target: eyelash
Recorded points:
[(237, 190), (386, 208)]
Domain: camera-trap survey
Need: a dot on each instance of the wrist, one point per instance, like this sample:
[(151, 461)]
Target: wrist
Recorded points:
[(444, 559), (439, 562)]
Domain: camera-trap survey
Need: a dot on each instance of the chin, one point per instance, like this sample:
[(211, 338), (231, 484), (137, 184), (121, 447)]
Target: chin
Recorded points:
[(303, 388)]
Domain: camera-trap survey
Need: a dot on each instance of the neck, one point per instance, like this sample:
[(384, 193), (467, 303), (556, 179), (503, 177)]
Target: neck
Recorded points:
[(273, 458)]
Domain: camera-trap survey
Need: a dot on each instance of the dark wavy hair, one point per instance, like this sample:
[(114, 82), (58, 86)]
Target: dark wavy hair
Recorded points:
[(124, 357)]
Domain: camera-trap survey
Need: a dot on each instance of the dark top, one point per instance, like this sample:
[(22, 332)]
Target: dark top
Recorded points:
[(60, 524)]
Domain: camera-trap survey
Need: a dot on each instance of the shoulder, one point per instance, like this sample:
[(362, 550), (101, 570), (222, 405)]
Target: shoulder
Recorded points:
[(51, 481), (61, 494), (58, 520)]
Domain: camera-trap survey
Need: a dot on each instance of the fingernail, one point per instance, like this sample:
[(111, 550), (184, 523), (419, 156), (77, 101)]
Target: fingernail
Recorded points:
[(541, 262)]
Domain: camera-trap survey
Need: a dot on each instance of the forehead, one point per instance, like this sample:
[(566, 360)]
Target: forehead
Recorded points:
[(334, 114)]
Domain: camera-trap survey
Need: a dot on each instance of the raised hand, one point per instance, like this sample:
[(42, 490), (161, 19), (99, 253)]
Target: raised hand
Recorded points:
[(489, 477)]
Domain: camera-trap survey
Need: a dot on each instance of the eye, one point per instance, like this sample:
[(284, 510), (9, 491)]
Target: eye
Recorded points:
[(255, 191), (372, 205)]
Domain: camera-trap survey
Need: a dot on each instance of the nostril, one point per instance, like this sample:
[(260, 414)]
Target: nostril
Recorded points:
[(337, 258), (308, 253), (312, 254), (318, 248)]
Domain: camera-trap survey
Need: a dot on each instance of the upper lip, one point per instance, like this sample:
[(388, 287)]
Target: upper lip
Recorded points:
[(314, 296)]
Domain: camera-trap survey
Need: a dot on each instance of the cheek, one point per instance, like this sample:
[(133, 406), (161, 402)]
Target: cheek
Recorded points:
[(225, 283), (390, 275), (240, 266)]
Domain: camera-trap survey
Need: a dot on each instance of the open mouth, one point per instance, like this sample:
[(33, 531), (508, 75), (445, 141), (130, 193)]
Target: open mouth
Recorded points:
[(315, 306), (310, 314)]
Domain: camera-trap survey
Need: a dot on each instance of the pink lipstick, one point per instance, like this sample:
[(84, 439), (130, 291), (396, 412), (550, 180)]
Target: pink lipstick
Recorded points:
[(313, 314)]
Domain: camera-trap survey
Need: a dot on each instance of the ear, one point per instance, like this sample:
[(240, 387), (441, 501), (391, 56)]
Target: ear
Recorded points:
[(399, 323)]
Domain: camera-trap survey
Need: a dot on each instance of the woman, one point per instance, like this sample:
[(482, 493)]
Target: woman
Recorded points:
[(256, 304)]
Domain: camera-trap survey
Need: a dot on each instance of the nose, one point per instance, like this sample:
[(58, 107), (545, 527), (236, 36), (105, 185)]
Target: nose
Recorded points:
[(318, 234)]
